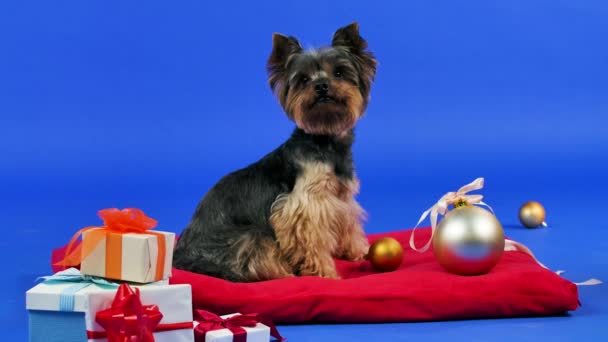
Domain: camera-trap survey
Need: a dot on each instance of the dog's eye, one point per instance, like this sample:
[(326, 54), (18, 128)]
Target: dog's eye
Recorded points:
[(304, 79), (338, 74)]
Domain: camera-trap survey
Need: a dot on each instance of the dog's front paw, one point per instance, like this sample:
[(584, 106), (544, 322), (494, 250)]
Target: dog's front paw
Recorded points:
[(330, 275), (357, 250), (358, 257), (322, 267)]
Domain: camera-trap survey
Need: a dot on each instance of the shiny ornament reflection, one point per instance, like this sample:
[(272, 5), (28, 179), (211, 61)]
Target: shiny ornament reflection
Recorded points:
[(469, 241), (385, 254), (532, 214)]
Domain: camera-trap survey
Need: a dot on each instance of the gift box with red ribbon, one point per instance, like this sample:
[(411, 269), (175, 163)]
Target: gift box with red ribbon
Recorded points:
[(124, 248), (208, 327), (149, 314), (71, 307)]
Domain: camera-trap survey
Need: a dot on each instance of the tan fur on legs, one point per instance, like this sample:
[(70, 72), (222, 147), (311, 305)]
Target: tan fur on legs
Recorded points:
[(355, 247), (353, 244), (317, 220), (260, 259)]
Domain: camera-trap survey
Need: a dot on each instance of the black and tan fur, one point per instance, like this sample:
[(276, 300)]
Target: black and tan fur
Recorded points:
[(294, 211)]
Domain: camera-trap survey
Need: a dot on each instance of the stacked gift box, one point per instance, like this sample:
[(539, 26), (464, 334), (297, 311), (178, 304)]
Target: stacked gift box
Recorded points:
[(121, 291)]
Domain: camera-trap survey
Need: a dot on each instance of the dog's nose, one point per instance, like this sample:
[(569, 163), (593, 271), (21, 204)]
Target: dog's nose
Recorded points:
[(321, 86)]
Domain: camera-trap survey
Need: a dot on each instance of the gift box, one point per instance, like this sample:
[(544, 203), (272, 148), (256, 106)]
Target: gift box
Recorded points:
[(135, 257), (70, 307), (236, 327), (124, 248)]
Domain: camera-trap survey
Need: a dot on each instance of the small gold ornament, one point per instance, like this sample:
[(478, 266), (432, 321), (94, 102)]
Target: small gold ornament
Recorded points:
[(385, 254), (532, 214), (469, 240)]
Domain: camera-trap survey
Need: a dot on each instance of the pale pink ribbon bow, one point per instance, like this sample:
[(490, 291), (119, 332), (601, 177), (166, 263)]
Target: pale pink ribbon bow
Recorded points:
[(441, 208)]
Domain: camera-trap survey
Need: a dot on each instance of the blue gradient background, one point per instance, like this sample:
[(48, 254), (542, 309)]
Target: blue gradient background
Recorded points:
[(116, 104)]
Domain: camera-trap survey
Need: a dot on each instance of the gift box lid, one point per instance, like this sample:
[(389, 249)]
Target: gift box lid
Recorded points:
[(48, 295)]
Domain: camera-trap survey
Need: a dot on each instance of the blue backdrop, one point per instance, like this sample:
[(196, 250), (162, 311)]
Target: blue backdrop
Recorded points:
[(116, 104)]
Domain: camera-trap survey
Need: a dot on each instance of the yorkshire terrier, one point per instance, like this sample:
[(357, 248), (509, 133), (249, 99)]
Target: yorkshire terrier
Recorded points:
[(294, 211)]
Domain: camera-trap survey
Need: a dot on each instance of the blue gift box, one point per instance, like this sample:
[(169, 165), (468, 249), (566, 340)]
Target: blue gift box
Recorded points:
[(56, 309), (63, 308), (53, 326)]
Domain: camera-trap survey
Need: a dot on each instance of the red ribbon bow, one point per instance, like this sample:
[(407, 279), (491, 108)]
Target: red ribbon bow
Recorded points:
[(127, 220), (209, 321), (127, 320)]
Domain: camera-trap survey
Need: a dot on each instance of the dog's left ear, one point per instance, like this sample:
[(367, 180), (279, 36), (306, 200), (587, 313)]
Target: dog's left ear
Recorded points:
[(348, 37)]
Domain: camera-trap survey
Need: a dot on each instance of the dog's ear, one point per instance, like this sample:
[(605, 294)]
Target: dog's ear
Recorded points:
[(282, 48), (348, 38)]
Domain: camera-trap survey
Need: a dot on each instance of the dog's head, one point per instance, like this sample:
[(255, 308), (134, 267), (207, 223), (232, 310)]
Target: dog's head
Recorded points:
[(324, 91)]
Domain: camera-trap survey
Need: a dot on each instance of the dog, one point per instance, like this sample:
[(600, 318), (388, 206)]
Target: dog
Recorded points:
[(293, 211)]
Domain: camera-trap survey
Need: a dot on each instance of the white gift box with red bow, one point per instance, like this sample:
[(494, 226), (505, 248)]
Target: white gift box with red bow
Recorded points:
[(259, 333)]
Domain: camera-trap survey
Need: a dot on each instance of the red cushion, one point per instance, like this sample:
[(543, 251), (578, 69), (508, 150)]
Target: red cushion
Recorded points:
[(420, 290)]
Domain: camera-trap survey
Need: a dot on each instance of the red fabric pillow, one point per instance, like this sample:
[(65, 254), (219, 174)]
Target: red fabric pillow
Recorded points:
[(420, 290)]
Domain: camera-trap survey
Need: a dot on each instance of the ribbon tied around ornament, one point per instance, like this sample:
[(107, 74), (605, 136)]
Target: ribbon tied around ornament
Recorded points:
[(208, 321), (460, 197)]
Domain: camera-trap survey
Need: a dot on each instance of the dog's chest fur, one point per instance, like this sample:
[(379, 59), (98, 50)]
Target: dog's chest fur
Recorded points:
[(318, 212)]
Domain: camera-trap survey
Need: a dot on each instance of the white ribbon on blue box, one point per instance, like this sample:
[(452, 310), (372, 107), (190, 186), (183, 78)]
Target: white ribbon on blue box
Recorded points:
[(63, 307)]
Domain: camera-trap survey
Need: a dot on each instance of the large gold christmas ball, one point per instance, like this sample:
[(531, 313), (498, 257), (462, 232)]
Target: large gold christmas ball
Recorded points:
[(468, 240), (385, 254), (532, 214)]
